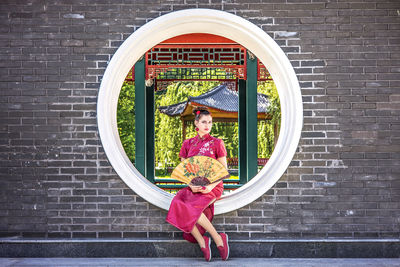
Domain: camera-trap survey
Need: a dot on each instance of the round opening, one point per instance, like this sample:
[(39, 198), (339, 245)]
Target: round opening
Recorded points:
[(212, 22), (196, 70)]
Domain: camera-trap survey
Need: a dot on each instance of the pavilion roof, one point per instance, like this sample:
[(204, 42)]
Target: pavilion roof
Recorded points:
[(220, 100)]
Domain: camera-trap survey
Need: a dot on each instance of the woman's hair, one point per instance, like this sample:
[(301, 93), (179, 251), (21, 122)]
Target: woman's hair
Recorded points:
[(200, 111)]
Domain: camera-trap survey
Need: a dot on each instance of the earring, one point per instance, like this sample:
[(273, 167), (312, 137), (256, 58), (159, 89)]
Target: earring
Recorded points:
[(197, 129)]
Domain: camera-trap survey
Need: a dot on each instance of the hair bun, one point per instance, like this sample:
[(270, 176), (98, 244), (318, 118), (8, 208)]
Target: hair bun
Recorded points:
[(196, 110)]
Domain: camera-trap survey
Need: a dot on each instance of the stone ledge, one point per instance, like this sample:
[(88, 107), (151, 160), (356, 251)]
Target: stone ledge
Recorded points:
[(276, 248)]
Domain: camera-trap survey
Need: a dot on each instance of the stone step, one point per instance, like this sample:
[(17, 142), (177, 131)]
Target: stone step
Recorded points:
[(277, 248)]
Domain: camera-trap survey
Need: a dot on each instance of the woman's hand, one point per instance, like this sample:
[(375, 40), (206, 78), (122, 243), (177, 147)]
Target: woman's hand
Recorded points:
[(202, 189), (206, 189), (195, 188)]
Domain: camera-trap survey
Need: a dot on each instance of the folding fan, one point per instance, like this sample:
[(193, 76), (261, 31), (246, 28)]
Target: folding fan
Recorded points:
[(200, 170)]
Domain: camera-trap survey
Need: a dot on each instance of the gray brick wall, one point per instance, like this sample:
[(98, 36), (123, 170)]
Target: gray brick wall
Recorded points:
[(55, 180)]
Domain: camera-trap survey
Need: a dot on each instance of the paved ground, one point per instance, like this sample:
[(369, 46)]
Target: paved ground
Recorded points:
[(168, 262)]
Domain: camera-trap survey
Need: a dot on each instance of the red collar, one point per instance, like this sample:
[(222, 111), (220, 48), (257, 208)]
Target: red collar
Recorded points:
[(205, 137)]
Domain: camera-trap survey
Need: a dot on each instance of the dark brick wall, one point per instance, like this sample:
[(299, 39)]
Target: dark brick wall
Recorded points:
[(55, 179)]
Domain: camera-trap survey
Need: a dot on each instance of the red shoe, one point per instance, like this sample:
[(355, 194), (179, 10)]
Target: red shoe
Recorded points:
[(207, 249), (224, 250)]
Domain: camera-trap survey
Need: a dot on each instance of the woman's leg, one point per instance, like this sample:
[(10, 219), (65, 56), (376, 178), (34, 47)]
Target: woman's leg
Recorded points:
[(206, 224), (199, 238)]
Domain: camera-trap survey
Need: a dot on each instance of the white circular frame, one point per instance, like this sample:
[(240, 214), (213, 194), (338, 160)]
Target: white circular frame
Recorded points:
[(212, 22)]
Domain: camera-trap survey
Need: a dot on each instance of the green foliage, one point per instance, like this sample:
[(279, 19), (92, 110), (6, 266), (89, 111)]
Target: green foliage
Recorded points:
[(229, 132), (168, 130), (266, 128), (126, 119)]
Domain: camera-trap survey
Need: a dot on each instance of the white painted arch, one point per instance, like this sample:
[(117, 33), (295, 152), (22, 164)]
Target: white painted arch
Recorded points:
[(212, 22)]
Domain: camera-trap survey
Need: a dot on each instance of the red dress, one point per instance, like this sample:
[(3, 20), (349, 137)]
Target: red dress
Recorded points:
[(186, 207)]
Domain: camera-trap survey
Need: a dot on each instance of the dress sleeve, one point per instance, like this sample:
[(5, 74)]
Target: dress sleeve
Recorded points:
[(220, 150), (184, 150)]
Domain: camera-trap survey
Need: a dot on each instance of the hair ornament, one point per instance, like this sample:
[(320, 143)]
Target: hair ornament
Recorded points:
[(198, 112)]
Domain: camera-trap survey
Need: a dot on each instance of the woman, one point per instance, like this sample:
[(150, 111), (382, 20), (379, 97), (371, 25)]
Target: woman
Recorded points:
[(192, 209)]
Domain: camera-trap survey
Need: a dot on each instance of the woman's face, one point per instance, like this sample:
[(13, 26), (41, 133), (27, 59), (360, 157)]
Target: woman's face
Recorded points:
[(204, 124)]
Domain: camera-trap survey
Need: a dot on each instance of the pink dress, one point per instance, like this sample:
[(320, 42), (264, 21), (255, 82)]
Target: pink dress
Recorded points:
[(186, 207)]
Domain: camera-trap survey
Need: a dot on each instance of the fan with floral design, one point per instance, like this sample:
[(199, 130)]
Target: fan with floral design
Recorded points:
[(200, 171)]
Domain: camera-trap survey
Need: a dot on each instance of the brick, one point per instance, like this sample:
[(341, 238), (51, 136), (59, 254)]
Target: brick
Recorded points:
[(71, 43)]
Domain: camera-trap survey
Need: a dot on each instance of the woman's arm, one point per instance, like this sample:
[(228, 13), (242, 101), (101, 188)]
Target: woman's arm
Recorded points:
[(223, 161)]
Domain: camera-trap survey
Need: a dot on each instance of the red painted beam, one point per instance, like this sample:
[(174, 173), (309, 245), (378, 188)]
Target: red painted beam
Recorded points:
[(198, 38)]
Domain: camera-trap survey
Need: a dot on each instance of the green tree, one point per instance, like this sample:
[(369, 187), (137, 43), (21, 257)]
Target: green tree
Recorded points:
[(168, 130), (266, 128), (126, 119)]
